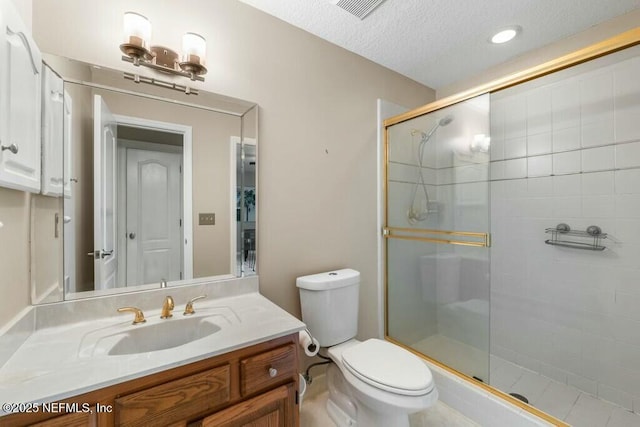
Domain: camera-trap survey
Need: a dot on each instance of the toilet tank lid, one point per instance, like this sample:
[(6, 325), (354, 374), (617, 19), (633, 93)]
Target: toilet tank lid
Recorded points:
[(329, 280)]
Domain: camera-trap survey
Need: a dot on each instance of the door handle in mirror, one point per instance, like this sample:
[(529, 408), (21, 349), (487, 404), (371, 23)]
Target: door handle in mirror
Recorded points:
[(13, 148), (104, 254), (100, 254)]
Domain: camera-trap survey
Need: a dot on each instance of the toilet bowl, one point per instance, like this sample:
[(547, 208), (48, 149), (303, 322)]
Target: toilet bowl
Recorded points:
[(373, 383), (376, 383)]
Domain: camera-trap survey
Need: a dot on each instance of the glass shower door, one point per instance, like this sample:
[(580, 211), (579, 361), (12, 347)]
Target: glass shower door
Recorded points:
[(437, 235)]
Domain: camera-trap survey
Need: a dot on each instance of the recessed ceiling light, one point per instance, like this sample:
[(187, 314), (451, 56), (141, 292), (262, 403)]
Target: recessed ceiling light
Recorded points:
[(505, 34)]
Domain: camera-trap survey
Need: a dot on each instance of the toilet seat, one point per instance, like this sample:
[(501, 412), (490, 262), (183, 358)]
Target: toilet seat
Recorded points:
[(388, 367)]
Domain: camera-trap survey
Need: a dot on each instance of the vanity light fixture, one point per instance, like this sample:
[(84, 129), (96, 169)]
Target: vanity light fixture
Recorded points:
[(138, 50), (506, 34)]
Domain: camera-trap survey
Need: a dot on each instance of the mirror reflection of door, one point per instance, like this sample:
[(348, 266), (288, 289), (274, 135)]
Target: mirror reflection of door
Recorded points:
[(105, 139), (139, 211), (69, 240), (153, 236), (245, 204), (153, 214)]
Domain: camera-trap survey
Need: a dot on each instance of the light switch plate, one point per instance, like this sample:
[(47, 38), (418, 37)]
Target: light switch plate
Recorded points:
[(207, 219)]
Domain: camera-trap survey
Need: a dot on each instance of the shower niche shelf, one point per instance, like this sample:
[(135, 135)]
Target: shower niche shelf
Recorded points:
[(589, 239)]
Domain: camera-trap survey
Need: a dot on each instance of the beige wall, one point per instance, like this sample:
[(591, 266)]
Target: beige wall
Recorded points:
[(578, 41), (25, 9), (317, 140), (46, 249), (14, 252)]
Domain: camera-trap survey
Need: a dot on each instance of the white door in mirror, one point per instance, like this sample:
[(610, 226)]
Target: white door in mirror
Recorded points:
[(20, 83), (153, 208), (104, 195)]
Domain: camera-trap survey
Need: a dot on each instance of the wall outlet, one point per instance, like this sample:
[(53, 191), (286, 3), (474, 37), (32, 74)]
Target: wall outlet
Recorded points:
[(207, 219)]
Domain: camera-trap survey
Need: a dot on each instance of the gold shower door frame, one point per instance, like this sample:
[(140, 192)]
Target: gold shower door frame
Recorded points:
[(622, 41)]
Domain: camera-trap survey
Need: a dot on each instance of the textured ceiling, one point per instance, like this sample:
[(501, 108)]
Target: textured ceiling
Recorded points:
[(439, 42)]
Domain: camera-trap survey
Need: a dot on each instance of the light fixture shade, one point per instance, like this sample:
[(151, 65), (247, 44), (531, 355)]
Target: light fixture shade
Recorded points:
[(480, 143), (137, 30), (194, 49)]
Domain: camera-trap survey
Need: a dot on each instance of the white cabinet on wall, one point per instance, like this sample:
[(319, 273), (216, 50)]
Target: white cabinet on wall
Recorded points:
[(53, 146), (20, 83)]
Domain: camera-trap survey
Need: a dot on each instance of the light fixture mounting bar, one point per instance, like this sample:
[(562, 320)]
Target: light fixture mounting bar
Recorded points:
[(167, 85), (163, 69)]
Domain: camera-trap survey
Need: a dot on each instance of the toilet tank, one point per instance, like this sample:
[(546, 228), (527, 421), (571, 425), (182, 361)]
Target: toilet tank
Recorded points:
[(329, 304)]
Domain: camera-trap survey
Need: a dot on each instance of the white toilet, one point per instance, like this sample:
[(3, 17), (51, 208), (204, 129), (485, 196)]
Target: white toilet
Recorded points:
[(371, 383)]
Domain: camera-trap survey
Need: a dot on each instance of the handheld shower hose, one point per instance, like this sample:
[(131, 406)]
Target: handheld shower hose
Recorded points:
[(418, 214)]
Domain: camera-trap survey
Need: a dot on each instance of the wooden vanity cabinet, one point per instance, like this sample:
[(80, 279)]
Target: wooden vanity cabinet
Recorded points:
[(254, 386)]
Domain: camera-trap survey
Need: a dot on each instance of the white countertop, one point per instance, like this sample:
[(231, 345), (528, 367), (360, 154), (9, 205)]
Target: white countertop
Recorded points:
[(58, 362)]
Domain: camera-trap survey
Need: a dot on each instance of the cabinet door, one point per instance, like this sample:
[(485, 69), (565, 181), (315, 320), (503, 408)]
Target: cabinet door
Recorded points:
[(275, 408), (20, 82), (53, 147), (175, 401), (69, 420)]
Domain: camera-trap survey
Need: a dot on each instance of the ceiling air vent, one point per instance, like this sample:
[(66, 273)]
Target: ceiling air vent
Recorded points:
[(358, 8)]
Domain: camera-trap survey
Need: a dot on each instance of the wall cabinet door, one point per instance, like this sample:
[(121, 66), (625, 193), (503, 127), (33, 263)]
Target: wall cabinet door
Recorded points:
[(53, 144), (20, 83)]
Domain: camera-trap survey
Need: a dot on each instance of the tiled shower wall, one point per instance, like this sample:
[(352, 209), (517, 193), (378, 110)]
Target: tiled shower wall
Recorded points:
[(566, 149)]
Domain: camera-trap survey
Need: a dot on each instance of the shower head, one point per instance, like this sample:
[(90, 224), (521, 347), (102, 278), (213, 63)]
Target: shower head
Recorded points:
[(445, 120), (441, 123)]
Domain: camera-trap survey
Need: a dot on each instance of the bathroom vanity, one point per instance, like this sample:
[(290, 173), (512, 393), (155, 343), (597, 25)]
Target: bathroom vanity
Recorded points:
[(242, 371), (254, 385), (72, 358)]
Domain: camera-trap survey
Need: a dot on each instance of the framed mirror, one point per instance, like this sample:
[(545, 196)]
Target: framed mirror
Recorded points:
[(158, 185)]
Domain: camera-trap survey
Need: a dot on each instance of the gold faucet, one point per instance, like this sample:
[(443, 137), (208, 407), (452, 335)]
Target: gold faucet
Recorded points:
[(188, 309), (167, 306), (139, 315)]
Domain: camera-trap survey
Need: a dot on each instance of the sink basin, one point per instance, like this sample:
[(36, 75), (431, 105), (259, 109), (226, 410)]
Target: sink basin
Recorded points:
[(159, 335)]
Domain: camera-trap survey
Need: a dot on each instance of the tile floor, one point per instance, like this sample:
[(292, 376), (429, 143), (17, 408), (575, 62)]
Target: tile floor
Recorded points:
[(560, 400), (313, 412)]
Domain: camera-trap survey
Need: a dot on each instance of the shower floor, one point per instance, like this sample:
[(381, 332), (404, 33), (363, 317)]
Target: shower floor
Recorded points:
[(463, 357), (560, 400)]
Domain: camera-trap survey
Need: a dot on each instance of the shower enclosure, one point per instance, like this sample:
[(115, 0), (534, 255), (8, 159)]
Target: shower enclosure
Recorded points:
[(512, 229)]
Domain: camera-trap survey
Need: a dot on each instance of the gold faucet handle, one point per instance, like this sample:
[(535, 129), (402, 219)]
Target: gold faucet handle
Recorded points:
[(139, 316), (167, 307), (188, 309)]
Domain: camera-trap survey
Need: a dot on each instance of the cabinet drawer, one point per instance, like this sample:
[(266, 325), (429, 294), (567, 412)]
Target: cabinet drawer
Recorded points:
[(267, 369), (176, 400)]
